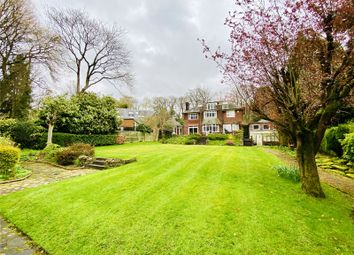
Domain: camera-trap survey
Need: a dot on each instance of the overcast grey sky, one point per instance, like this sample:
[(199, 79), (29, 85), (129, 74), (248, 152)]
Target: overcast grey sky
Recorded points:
[(162, 36)]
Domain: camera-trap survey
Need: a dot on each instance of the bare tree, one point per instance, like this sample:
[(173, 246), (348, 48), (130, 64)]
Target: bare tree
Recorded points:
[(95, 52), (180, 105), (164, 112), (198, 96)]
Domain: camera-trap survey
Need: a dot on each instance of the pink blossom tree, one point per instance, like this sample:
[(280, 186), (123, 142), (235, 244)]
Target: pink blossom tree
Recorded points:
[(300, 53)]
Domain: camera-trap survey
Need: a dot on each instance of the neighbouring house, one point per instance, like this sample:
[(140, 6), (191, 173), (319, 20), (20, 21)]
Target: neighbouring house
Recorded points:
[(213, 117), (263, 132), (176, 127), (131, 118)]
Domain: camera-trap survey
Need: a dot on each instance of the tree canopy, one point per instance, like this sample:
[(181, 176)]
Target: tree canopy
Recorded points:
[(86, 113)]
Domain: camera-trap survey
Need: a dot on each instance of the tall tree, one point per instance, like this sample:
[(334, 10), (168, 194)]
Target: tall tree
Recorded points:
[(21, 37), (95, 52), (301, 51), (17, 97)]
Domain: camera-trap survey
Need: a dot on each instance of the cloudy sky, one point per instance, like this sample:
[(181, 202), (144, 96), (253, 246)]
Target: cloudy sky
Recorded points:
[(162, 36)]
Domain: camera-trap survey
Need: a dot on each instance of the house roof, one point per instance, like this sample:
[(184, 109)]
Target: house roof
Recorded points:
[(261, 121), (192, 111), (175, 123), (126, 113)]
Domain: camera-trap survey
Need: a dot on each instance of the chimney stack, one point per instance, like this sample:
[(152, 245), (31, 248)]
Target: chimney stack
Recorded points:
[(187, 106)]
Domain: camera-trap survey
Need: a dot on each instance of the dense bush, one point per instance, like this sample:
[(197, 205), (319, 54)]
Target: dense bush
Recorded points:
[(348, 147), (50, 152), (143, 128), (6, 141), (218, 137), (288, 172), (332, 140), (68, 155), (88, 114), (9, 156), (64, 139), (83, 149), (28, 134), (6, 126)]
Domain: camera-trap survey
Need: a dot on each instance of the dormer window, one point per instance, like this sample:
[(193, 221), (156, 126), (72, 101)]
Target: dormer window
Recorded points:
[(211, 106)]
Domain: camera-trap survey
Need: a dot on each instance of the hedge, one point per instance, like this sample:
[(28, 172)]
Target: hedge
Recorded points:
[(220, 137), (64, 139), (348, 147), (331, 143), (26, 134), (9, 156), (211, 139)]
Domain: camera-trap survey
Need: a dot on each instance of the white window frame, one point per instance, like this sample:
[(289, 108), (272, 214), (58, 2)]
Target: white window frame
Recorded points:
[(266, 125), (211, 106), (230, 114), (211, 128), (227, 127), (235, 127), (193, 127), (210, 114), (192, 114), (254, 127)]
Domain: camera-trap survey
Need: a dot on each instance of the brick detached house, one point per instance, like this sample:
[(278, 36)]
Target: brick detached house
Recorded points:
[(213, 117)]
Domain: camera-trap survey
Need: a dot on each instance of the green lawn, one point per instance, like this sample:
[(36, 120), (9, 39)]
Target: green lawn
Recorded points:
[(183, 200)]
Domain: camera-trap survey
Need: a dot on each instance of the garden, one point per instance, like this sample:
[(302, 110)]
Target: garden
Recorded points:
[(180, 199), (58, 134)]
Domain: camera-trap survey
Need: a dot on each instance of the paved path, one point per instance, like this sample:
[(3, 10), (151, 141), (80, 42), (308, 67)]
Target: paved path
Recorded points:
[(42, 174), (12, 242)]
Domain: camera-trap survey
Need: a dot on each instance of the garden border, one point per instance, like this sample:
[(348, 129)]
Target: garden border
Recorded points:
[(16, 180)]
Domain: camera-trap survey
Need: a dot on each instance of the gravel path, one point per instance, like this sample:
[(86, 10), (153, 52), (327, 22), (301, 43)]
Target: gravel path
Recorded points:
[(12, 242)]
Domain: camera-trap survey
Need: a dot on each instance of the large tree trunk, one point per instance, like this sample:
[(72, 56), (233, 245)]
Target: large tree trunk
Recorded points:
[(156, 132), (50, 133), (310, 181)]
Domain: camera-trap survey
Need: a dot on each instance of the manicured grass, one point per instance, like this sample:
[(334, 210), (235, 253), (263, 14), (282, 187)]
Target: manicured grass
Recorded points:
[(183, 200)]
